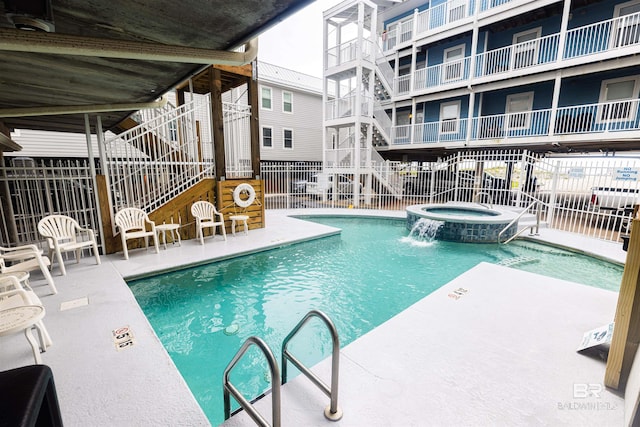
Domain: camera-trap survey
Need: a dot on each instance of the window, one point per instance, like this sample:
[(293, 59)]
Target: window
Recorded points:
[(525, 50), (267, 137), (287, 102), (613, 94), (287, 137), (449, 117), (266, 98), (626, 30), (518, 110), (453, 60)]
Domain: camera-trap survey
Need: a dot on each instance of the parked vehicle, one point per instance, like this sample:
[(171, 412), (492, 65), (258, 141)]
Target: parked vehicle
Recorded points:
[(614, 199), (322, 183)]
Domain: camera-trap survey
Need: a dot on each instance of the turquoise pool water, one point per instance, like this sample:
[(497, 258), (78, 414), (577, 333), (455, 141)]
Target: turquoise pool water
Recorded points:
[(360, 278)]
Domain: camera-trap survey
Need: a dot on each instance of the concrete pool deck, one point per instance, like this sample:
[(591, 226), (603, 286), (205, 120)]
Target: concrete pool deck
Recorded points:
[(473, 366)]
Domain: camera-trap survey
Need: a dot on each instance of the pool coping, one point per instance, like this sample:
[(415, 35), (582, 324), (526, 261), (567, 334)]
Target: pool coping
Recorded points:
[(142, 385)]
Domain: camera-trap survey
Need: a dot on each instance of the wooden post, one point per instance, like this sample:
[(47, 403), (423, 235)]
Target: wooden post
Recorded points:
[(215, 83), (252, 84), (626, 332)]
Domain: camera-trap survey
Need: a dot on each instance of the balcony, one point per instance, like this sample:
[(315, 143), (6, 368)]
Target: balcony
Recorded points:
[(602, 120), (432, 20), (590, 43)]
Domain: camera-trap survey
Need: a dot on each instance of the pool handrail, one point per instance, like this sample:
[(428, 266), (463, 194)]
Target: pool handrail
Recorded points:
[(331, 412), (536, 202), (244, 403), (484, 193)]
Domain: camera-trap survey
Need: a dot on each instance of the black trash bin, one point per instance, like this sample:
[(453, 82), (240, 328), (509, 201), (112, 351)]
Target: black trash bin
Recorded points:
[(28, 397)]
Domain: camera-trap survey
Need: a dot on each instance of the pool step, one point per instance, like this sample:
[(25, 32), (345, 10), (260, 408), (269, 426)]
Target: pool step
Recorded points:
[(518, 260)]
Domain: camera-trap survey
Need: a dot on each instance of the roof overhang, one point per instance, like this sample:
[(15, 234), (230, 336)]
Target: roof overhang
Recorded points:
[(118, 56)]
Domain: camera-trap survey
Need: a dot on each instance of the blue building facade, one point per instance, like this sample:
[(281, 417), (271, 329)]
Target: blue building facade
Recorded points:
[(543, 75)]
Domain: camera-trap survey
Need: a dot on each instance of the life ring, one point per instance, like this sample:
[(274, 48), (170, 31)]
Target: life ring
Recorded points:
[(242, 189)]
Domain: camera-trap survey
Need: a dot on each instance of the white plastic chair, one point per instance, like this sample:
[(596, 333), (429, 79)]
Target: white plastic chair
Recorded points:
[(205, 214), (13, 294), (133, 223), (64, 234), (26, 258)]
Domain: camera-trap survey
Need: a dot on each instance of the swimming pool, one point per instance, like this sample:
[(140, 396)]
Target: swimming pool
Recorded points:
[(360, 279)]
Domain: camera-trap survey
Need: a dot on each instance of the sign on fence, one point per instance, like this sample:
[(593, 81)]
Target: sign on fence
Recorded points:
[(626, 174)]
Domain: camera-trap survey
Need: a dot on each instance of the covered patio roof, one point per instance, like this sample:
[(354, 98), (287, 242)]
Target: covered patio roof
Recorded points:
[(89, 55)]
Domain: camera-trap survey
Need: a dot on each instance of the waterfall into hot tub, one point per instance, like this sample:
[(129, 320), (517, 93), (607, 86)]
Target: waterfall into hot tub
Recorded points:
[(424, 231)]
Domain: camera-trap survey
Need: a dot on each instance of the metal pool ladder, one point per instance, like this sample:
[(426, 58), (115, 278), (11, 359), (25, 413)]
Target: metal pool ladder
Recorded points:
[(331, 412), (244, 403)]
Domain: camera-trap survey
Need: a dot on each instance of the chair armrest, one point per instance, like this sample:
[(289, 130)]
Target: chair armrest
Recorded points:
[(152, 223), (21, 252), (88, 231), (23, 294), (31, 247)]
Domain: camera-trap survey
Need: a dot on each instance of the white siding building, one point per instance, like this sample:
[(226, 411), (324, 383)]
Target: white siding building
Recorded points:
[(290, 114)]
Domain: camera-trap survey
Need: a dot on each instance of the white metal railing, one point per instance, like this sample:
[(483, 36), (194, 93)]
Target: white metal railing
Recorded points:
[(156, 160), (589, 40), (383, 70), (345, 107), (531, 53), (443, 14), (38, 188), (237, 140), (402, 84), (564, 186), (442, 74), (602, 36), (382, 118), (490, 4), (400, 135), (581, 119), (432, 132), (342, 53)]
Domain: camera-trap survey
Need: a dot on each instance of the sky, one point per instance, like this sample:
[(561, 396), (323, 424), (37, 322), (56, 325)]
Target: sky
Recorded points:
[(296, 42)]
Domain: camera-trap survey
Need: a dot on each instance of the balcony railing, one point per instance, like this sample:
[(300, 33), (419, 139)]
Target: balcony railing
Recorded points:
[(345, 107), (581, 119), (589, 40), (518, 56), (442, 74)]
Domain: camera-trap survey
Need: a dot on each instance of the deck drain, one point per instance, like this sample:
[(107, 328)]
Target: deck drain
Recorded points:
[(123, 338), (74, 303)]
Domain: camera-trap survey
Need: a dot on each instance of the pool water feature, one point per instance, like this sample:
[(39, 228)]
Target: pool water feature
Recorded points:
[(466, 222), (360, 279)]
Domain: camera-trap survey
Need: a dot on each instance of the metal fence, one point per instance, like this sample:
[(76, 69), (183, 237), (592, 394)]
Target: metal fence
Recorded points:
[(586, 195), (33, 189), (590, 196)]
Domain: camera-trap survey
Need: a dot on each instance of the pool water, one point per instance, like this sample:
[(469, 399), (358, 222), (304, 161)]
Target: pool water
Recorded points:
[(360, 279)]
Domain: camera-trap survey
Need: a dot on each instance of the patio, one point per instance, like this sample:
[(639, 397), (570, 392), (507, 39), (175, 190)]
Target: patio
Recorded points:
[(474, 366)]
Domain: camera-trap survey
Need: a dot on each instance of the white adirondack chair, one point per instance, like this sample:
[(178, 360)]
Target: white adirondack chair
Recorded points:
[(133, 224), (64, 234), (205, 214), (26, 258)]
